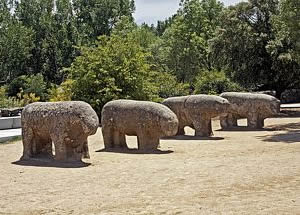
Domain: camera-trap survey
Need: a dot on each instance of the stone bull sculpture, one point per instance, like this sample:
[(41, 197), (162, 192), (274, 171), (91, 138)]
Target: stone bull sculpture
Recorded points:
[(147, 120), (66, 124), (197, 111), (255, 107)]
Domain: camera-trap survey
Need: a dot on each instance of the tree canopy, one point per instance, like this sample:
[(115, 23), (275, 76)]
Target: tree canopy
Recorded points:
[(94, 51)]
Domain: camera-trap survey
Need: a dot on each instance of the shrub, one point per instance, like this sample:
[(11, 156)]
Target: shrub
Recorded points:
[(116, 68), (215, 82), (17, 85), (62, 92), (8, 102), (27, 98), (169, 87), (33, 84)]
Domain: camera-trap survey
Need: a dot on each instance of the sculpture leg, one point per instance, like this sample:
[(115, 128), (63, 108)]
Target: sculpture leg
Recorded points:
[(224, 122), (232, 120), (180, 130), (60, 149), (27, 137), (260, 122), (108, 139), (203, 127), (147, 142), (119, 139), (252, 120), (74, 150), (42, 145), (85, 149), (122, 140)]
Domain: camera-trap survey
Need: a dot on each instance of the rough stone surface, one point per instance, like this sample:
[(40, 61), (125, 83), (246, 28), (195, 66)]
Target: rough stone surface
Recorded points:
[(196, 111), (147, 120), (255, 107), (66, 124)]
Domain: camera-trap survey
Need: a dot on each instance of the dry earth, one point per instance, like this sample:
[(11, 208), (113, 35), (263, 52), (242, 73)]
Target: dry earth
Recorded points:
[(234, 172)]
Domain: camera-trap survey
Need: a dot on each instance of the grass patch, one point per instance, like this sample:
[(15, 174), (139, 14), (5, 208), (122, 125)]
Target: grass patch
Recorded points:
[(11, 141)]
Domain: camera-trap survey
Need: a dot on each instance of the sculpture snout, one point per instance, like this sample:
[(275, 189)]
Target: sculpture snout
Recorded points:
[(275, 108), (170, 127), (224, 107), (91, 126)]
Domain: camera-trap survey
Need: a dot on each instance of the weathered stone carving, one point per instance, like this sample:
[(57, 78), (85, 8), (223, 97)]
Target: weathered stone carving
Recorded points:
[(255, 107), (147, 120), (197, 111), (66, 124)]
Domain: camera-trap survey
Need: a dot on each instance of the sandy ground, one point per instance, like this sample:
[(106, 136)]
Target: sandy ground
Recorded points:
[(234, 172)]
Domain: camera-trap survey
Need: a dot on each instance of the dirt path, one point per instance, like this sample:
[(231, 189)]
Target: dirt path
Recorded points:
[(234, 172)]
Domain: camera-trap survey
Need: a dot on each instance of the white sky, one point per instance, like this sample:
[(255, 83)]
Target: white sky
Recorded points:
[(150, 11)]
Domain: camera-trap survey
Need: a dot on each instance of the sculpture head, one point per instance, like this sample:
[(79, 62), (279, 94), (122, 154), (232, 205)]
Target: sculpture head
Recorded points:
[(222, 107), (87, 117), (169, 124), (209, 105), (274, 107)]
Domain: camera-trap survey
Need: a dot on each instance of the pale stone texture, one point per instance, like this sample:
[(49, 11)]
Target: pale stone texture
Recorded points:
[(196, 111), (255, 107), (147, 120), (66, 124)]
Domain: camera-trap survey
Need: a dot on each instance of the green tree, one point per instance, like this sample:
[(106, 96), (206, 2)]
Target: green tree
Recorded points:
[(98, 17), (15, 51), (31, 84), (184, 45), (215, 83), (287, 25), (116, 68), (55, 35), (244, 46)]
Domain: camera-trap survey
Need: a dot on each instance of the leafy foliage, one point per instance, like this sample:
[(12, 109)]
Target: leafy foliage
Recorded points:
[(98, 17), (184, 49), (256, 42), (33, 84), (215, 83), (116, 68), (62, 92), (247, 46), (16, 45), (7, 102)]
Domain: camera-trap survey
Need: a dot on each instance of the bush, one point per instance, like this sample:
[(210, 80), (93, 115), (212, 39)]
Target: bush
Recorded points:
[(215, 83), (117, 68), (62, 92), (27, 98), (17, 85), (33, 84), (8, 102), (169, 87)]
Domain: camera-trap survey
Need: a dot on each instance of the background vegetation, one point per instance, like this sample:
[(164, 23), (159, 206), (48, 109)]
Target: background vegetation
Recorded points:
[(53, 50)]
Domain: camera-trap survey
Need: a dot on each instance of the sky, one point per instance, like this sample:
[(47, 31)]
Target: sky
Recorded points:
[(150, 11)]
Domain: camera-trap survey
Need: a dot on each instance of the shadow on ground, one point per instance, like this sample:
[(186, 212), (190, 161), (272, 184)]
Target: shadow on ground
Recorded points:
[(45, 162), (135, 151), (292, 134), (285, 127), (190, 137), (245, 129), (290, 113)]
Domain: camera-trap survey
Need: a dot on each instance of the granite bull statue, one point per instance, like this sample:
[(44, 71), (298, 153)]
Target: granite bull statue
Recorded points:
[(66, 124), (255, 107), (196, 111), (147, 120)]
